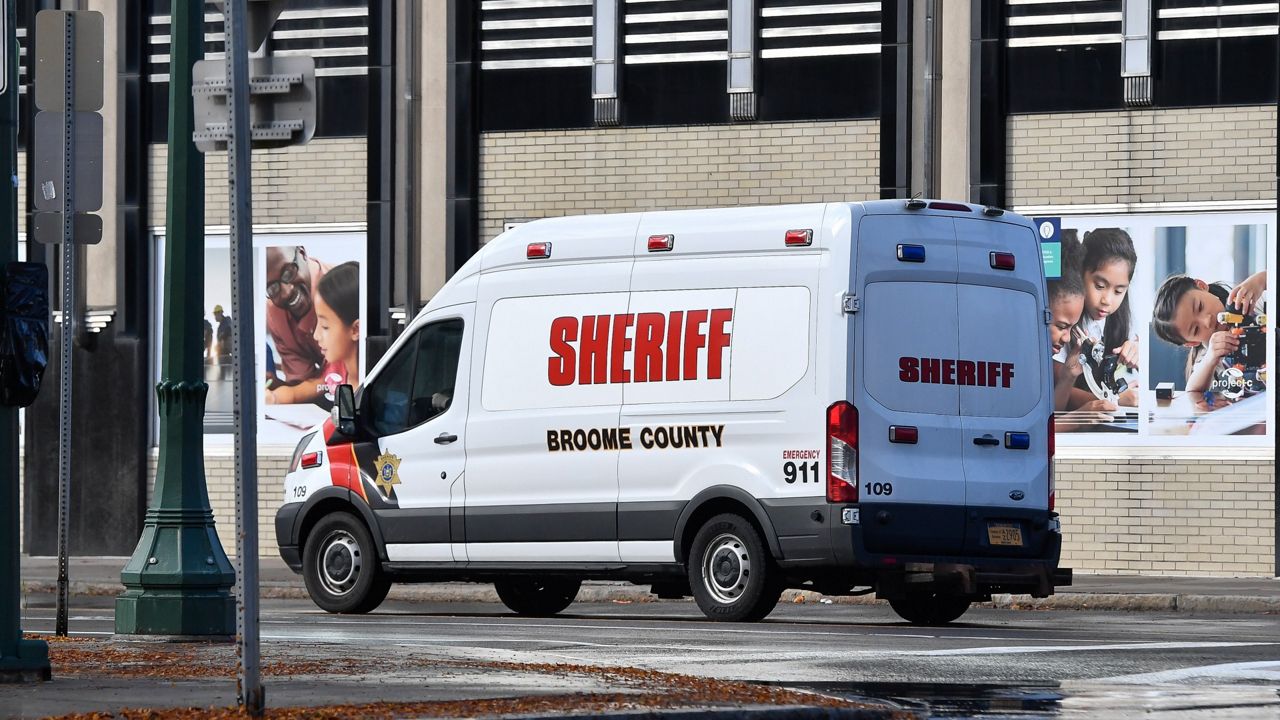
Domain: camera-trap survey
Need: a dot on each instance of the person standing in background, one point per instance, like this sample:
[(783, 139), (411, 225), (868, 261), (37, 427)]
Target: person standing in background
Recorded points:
[(224, 335)]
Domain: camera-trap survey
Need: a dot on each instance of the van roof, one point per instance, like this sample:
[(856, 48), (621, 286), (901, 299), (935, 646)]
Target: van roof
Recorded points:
[(586, 233), (748, 217)]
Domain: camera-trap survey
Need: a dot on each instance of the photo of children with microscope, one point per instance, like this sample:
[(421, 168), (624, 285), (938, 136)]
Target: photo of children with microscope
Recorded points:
[(1094, 334), (1209, 365)]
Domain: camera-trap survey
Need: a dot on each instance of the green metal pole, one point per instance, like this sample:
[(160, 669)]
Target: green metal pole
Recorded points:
[(178, 581), (20, 660)]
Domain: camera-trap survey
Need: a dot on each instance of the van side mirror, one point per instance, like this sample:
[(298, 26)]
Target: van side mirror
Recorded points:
[(344, 410)]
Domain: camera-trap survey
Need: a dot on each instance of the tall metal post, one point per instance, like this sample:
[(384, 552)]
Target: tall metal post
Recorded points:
[(178, 581), (20, 660), (250, 693), (68, 331)]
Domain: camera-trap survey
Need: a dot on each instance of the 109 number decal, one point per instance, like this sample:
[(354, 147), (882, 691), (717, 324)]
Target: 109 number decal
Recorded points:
[(805, 472), (880, 488)]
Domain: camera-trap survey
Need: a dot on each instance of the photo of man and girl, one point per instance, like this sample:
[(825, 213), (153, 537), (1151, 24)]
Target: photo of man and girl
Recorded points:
[(308, 325), (1176, 344), (313, 322)]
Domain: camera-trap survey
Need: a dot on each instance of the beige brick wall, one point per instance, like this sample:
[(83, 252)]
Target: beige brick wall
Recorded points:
[(1168, 517), (1147, 156), (1143, 516), (219, 472), (323, 181), (528, 175)]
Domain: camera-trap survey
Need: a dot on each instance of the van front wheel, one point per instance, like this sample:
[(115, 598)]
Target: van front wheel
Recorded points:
[(730, 572), (340, 566), (929, 609), (537, 597)]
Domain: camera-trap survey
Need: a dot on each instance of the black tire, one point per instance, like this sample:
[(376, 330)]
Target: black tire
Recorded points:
[(731, 573), (537, 597), (930, 608), (340, 566)]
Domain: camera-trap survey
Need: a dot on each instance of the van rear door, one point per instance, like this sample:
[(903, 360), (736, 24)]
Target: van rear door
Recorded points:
[(912, 494), (1005, 423)]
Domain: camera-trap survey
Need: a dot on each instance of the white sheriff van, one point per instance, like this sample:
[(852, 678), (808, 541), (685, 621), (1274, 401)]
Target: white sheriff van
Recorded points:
[(842, 397)]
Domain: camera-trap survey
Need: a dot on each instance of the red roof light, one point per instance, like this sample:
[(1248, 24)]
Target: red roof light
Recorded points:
[(539, 250), (799, 238), (661, 243)]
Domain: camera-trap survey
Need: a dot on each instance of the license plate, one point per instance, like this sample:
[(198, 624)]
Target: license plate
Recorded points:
[(1004, 535)]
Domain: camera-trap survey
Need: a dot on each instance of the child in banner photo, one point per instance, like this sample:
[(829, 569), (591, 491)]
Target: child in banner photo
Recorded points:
[(1189, 312), (337, 330), (1107, 272), (1066, 306)]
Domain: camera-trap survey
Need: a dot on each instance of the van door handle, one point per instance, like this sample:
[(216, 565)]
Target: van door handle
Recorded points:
[(985, 441), (446, 438)]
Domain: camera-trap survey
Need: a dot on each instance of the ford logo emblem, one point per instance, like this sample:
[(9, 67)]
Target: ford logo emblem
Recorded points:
[(1016, 495)]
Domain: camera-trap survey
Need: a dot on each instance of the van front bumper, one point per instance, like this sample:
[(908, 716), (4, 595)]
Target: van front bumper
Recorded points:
[(287, 536)]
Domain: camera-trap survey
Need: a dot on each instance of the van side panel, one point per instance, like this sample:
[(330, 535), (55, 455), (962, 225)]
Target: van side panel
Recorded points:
[(755, 425), (531, 493)]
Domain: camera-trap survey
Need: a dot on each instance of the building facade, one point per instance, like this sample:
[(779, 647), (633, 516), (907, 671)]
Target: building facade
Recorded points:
[(442, 122)]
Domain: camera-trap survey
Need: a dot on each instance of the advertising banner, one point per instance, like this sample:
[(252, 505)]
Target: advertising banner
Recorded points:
[(308, 318), (1161, 328)]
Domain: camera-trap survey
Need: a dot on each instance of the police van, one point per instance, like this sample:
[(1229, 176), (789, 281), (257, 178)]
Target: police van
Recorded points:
[(843, 397)]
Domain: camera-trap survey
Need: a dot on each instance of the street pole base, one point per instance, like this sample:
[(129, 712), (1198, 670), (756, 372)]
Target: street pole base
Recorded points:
[(173, 612), (30, 665)]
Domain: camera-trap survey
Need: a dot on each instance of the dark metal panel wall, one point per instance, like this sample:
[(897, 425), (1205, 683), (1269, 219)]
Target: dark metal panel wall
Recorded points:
[(1215, 53), (815, 60), (895, 103), (821, 59), (1065, 56), (462, 161), (987, 111), (335, 32), (380, 190), (112, 384)]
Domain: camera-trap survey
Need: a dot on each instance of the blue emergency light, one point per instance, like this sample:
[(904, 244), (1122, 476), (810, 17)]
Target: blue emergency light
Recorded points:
[(911, 253), (1017, 440)]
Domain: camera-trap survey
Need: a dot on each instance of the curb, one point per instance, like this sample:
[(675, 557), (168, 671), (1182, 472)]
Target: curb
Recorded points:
[(802, 712), (617, 593)]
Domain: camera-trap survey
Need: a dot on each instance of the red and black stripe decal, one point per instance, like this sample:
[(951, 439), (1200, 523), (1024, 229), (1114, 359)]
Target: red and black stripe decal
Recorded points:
[(344, 470)]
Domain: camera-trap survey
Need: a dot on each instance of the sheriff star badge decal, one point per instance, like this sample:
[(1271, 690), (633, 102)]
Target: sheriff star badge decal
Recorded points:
[(388, 472)]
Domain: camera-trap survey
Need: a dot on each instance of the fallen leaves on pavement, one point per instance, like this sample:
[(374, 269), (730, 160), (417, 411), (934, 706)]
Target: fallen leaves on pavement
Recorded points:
[(638, 688)]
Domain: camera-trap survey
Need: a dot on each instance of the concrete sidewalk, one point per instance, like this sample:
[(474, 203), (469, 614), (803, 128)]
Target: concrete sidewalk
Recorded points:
[(100, 576)]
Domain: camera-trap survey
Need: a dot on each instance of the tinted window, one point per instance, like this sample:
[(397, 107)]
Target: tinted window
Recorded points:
[(385, 405), (438, 348), (417, 383)]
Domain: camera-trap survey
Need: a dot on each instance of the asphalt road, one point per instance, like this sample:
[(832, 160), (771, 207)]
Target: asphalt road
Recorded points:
[(995, 663)]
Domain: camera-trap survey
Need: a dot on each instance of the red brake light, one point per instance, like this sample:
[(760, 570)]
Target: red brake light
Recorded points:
[(799, 238), (661, 243), (539, 250), (842, 458), (311, 460), (954, 207), (1002, 260)]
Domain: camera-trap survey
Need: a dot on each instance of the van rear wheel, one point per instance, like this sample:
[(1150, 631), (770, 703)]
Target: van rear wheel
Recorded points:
[(537, 597), (340, 566), (730, 571), (930, 608)]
